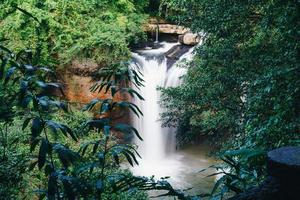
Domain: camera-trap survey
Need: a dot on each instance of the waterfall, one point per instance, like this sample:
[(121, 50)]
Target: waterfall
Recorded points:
[(156, 34), (159, 142)]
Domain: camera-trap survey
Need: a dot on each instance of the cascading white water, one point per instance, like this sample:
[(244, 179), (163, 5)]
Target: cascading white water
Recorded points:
[(159, 157), (158, 142)]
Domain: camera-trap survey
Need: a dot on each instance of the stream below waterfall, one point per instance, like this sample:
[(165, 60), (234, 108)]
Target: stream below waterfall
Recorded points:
[(158, 148)]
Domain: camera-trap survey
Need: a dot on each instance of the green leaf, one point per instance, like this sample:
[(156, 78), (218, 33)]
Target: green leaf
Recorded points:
[(8, 74), (69, 131), (26, 100), (3, 48), (127, 129), (37, 127), (48, 169), (116, 157), (65, 155), (44, 148), (52, 187), (218, 184), (83, 148), (25, 123), (91, 105), (98, 123), (128, 158), (95, 148), (131, 154), (132, 93), (33, 143), (41, 84), (2, 67), (131, 106)]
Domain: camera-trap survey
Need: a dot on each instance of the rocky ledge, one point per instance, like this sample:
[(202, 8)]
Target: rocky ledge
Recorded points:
[(184, 35), (283, 181)]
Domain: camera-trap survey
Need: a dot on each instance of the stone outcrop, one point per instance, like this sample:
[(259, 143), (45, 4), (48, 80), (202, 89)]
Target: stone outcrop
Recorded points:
[(189, 39), (77, 88), (164, 27), (183, 35), (283, 181), (174, 54), (78, 78), (167, 28)]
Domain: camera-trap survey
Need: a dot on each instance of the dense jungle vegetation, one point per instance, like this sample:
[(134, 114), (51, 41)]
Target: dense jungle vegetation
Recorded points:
[(242, 87), (64, 30)]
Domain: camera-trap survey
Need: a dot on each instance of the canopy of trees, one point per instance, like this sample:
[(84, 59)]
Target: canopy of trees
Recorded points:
[(101, 30)]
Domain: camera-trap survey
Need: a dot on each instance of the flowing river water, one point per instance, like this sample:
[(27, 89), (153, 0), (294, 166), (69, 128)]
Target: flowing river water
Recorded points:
[(158, 150)]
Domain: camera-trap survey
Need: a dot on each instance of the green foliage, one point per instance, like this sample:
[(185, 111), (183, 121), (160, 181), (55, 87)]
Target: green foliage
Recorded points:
[(243, 84), (57, 167), (13, 161), (240, 170), (244, 79), (64, 30)]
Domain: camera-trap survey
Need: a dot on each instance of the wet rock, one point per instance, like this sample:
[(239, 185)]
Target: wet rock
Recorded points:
[(174, 54), (189, 39), (283, 182), (150, 42), (284, 163)]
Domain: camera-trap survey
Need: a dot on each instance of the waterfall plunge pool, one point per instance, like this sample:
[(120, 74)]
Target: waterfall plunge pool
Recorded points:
[(183, 167)]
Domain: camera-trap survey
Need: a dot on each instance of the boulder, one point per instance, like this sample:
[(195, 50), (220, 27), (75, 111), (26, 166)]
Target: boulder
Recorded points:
[(190, 39), (284, 163), (174, 54), (283, 181)]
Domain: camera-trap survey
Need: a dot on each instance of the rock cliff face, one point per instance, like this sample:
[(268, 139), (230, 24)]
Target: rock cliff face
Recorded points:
[(77, 82), (78, 78)]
